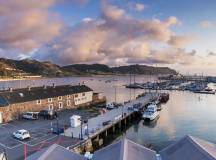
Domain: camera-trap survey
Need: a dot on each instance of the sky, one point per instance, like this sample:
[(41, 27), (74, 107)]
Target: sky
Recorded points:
[(172, 33)]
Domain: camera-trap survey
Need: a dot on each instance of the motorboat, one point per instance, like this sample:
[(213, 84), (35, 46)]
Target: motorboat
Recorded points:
[(150, 113), (159, 107)]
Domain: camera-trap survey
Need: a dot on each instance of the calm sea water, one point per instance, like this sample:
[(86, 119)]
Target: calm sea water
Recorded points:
[(185, 112)]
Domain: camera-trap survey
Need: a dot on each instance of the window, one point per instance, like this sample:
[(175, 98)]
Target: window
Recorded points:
[(60, 98), (76, 95), (49, 99), (60, 105), (68, 103), (50, 106), (83, 94), (68, 96), (39, 101)]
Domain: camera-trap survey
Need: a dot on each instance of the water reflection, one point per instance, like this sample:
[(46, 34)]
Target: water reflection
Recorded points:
[(151, 124)]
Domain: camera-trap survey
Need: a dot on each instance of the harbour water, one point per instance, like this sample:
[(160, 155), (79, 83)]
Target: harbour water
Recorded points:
[(185, 112)]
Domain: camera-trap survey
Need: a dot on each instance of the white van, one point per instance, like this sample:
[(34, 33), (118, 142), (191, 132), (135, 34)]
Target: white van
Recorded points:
[(30, 115), (110, 106)]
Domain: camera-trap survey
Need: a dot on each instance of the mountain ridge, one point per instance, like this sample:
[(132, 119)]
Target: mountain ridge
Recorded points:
[(28, 67)]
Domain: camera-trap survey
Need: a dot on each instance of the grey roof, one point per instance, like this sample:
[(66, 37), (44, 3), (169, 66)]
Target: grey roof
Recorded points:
[(36, 93), (190, 148), (125, 150), (56, 152)]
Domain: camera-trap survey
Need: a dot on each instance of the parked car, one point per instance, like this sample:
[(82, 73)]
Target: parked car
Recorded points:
[(30, 115), (110, 106), (106, 123), (22, 134), (58, 131), (46, 114), (130, 108)]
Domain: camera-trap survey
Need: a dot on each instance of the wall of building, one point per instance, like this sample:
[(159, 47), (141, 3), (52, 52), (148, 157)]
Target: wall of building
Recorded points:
[(14, 111), (82, 98)]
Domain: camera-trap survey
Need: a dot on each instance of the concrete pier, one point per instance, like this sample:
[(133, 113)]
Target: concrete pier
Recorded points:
[(118, 119)]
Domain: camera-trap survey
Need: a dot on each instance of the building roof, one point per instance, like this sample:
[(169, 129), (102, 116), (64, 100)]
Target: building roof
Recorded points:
[(125, 150), (36, 93), (56, 152), (190, 148)]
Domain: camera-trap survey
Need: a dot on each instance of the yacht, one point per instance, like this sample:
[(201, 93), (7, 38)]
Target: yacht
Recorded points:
[(150, 113)]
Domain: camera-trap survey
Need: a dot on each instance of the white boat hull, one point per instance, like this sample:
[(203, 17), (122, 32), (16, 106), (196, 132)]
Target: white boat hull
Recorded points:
[(150, 117)]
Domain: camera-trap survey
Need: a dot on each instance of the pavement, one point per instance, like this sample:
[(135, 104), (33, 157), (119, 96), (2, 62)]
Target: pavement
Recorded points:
[(40, 131)]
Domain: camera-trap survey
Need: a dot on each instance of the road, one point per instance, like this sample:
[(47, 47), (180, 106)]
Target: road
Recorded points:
[(40, 131)]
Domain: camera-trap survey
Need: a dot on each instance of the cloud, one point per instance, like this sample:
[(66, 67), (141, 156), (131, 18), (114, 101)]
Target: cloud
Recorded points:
[(179, 41), (139, 7), (206, 24), (113, 38), (115, 35), (136, 6), (168, 56), (26, 25), (111, 12), (210, 54)]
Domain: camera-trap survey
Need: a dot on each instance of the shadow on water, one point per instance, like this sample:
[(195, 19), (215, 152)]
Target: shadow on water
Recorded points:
[(151, 124)]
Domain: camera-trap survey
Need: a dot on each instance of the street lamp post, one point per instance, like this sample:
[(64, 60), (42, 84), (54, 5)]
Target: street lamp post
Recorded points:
[(115, 94), (57, 125), (81, 131)]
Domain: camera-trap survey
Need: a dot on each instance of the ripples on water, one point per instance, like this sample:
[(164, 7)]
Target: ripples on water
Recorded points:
[(185, 112)]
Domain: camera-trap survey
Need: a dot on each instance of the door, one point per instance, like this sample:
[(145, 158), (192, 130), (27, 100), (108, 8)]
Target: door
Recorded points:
[(60, 105), (50, 106)]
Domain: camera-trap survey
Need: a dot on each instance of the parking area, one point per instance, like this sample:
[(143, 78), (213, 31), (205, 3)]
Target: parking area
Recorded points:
[(40, 131)]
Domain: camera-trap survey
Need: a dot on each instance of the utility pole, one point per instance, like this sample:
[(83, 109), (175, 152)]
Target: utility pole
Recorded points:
[(130, 85), (115, 94), (57, 123)]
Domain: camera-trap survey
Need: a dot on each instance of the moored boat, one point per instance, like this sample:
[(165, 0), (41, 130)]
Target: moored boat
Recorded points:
[(150, 113)]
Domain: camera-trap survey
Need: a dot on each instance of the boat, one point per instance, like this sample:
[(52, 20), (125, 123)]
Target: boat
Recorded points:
[(150, 113), (159, 107), (205, 92)]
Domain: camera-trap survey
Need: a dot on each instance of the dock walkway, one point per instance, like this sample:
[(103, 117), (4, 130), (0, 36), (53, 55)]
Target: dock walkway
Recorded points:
[(95, 125)]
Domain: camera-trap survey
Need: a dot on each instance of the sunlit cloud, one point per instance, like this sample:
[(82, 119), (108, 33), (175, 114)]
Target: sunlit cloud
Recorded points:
[(179, 41), (113, 36), (26, 25), (206, 24), (136, 6)]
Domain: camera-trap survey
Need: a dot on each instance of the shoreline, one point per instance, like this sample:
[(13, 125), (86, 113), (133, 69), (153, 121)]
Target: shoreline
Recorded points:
[(92, 75)]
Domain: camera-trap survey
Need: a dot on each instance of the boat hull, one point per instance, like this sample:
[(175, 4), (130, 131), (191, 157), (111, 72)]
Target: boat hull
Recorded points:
[(151, 117)]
